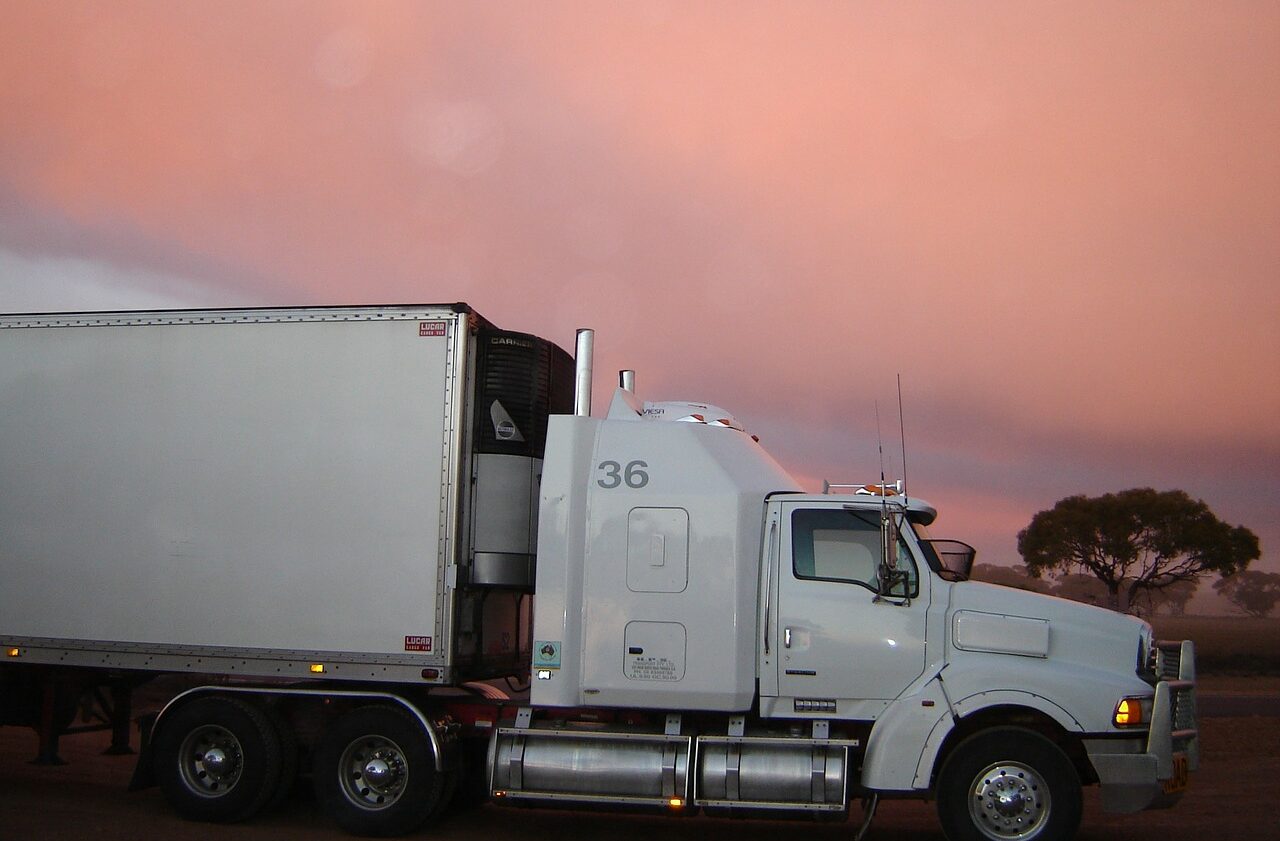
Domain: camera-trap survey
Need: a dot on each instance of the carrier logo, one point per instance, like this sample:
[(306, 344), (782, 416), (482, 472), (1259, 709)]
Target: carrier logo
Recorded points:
[(431, 328), (417, 643), (507, 340)]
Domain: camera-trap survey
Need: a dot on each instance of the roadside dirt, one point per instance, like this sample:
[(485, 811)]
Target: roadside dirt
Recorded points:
[(1236, 794)]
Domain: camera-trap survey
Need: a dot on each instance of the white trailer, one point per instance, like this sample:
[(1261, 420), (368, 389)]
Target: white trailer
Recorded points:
[(335, 520), (278, 493)]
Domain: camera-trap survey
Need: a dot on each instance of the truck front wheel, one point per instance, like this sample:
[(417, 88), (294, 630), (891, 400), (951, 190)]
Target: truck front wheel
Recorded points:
[(1008, 784), (217, 759), (375, 772)]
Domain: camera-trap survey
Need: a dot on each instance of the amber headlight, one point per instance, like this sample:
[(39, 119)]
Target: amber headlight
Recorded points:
[(1134, 711)]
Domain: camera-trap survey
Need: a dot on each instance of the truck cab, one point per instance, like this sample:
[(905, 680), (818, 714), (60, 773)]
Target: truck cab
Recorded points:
[(797, 650)]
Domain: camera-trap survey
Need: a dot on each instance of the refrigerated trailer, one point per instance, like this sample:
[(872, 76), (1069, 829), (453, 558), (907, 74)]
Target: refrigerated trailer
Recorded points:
[(332, 531)]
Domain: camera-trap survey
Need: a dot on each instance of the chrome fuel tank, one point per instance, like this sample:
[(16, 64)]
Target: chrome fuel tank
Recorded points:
[(577, 763), (584, 765)]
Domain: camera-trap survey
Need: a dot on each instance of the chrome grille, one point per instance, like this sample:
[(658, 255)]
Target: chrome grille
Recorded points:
[(1167, 660), (1184, 708)]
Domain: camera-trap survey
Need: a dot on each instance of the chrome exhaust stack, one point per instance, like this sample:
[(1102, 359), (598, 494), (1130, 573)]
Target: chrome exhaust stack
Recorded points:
[(582, 373), (627, 380)]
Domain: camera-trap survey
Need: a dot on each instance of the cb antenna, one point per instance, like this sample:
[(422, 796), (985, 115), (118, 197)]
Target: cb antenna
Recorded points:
[(885, 517), (889, 576), (902, 435), (880, 448)]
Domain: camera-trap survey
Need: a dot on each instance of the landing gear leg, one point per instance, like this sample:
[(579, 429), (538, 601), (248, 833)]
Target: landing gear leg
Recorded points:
[(47, 732), (120, 711)]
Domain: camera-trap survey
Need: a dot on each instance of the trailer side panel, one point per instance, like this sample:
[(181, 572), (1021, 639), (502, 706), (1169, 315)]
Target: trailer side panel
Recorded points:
[(264, 488)]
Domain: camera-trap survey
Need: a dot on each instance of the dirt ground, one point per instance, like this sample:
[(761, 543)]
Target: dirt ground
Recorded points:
[(1235, 795)]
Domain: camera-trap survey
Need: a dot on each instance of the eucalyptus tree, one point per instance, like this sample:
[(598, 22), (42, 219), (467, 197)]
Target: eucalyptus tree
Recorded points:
[(1136, 541)]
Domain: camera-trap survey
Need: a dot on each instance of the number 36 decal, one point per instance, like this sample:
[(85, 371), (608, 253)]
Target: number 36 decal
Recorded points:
[(614, 474)]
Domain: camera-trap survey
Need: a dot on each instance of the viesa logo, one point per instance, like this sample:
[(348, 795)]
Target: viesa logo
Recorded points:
[(417, 643)]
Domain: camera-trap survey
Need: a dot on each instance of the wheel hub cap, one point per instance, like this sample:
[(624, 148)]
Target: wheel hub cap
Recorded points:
[(1009, 802), (377, 771), (374, 772), (210, 761), (216, 761)]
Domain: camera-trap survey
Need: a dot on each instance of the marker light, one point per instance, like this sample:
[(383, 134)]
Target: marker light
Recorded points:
[(317, 668), (675, 803), (14, 652), (1132, 712)]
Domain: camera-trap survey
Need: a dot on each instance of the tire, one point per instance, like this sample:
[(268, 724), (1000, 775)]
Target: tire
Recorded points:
[(288, 760), (217, 759), (1008, 785), (375, 773)]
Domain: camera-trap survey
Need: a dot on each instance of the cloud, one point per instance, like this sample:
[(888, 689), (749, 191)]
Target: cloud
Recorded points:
[(1059, 227), (71, 284)]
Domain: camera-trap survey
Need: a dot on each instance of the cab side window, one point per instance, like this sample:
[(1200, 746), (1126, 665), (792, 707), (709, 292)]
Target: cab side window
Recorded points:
[(832, 544)]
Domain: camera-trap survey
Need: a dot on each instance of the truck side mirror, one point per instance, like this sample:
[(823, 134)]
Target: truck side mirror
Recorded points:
[(892, 581), (889, 539)]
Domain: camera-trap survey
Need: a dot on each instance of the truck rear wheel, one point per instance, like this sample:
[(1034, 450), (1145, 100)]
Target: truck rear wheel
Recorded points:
[(375, 773), (1008, 785), (217, 759)]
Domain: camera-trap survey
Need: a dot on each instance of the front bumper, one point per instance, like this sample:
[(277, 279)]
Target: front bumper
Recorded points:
[(1154, 776)]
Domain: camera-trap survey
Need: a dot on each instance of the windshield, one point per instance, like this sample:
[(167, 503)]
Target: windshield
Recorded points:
[(951, 559)]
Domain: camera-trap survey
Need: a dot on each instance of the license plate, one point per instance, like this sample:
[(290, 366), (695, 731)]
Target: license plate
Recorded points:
[(1178, 782)]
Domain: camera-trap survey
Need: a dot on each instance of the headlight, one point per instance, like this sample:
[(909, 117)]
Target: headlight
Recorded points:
[(1146, 666), (1133, 711)]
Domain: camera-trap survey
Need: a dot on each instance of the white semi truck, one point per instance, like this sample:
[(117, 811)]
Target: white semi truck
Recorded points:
[(334, 530)]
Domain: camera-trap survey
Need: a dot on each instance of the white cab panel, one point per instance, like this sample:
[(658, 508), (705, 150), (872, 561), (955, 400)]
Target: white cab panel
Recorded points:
[(648, 563)]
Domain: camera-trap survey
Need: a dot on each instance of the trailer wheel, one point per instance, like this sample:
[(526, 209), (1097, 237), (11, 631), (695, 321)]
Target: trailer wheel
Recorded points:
[(375, 773), (1008, 784), (217, 759)]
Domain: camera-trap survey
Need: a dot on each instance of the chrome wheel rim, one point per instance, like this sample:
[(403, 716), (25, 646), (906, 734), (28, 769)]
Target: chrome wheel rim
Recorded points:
[(1009, 801), (211, 761), (373, 772)]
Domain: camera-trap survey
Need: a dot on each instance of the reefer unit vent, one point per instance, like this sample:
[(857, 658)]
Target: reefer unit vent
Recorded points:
[(520, 379)]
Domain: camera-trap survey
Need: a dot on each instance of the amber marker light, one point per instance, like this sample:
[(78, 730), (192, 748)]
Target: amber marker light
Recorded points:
[(1127, 713), (1132, 712), (675, 803), (317, 668), (14, 652)]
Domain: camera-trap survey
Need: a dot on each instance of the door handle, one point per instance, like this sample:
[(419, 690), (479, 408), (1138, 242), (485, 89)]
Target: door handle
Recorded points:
[(786, 638)]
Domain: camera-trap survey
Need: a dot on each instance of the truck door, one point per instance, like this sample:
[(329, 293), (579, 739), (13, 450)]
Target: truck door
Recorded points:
[(834, 636)]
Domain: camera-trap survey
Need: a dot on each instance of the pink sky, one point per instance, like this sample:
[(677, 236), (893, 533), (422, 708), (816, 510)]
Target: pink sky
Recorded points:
[(1060, 222)]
